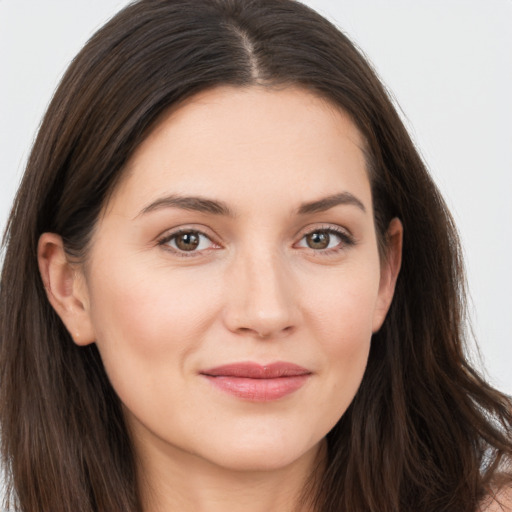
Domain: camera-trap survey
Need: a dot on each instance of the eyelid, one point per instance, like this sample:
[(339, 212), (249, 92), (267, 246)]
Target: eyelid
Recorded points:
[(163, 239), (347, 239)]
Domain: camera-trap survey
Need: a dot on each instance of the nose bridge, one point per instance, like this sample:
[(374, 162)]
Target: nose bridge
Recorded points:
[(261, 297)]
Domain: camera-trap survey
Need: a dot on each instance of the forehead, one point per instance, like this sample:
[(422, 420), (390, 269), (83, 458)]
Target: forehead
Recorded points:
[(244, 143)]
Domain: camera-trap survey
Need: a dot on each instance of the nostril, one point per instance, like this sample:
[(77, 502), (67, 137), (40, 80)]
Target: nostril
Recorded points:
[(265, 334), (287, 330)]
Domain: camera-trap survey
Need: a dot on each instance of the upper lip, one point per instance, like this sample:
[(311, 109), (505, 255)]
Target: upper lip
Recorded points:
[(251, 370)]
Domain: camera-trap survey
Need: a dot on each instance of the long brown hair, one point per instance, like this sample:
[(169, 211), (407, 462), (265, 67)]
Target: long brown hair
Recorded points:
[(424, 431)]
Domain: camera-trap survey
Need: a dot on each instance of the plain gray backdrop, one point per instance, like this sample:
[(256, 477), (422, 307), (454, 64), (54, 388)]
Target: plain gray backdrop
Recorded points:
[(448, 64)]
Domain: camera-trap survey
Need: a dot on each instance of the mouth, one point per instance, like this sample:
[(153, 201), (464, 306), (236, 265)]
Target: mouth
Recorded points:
[(258, 383)]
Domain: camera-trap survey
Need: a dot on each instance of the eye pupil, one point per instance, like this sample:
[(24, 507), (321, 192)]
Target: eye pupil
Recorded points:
[(187, 241), (318, 240)]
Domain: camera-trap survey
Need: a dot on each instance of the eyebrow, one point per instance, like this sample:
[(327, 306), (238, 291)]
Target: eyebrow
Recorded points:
[(326, 203), (204, 205), (192, 203)]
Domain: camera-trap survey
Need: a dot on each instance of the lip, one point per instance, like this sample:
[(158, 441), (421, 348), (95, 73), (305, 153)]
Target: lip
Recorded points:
[(258, 383)]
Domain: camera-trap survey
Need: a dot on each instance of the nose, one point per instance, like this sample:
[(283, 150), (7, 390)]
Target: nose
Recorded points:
[(261, 297)]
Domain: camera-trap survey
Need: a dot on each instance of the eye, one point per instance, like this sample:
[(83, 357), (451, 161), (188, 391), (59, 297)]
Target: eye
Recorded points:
[(325, 239), (187, 241)]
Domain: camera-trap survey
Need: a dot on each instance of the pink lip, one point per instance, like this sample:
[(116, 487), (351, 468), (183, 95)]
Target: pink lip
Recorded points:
[(259, 383)]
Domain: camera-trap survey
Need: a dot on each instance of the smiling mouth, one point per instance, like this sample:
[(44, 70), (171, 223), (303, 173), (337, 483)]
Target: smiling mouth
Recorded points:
[(258, 383)]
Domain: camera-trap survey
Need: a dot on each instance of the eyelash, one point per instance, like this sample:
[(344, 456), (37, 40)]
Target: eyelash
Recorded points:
[(178, 252), (346, 241)]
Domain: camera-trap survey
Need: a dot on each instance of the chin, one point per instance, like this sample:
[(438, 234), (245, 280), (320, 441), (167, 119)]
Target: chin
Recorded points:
[(264, 456)]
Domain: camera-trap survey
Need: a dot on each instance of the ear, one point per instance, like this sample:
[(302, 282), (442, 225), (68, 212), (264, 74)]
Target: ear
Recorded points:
[(390, 267), (65, 287)]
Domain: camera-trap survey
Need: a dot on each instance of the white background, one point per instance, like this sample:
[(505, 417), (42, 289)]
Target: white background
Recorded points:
[(448, 63)]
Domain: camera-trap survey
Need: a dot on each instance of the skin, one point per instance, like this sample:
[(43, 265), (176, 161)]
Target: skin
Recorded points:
[(256, 288)]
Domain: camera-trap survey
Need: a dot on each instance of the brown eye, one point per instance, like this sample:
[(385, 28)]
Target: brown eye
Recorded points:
[(325, 240), (187, 241), (318, 240)]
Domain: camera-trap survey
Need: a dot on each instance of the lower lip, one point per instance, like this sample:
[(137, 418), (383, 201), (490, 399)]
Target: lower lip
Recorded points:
[(259, 390)]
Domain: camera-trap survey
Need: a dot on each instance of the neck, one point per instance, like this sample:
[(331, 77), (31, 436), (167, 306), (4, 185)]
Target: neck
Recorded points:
[(172, 480)]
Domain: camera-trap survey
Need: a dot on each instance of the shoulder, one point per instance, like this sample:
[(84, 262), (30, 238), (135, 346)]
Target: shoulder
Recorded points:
[(501, 502)]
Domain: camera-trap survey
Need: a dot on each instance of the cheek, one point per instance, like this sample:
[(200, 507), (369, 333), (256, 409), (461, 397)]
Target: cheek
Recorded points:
[(342, 306), (342, 317), (149, 318)]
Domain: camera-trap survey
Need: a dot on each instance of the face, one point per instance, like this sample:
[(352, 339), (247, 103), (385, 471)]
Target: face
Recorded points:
[(234, 283)]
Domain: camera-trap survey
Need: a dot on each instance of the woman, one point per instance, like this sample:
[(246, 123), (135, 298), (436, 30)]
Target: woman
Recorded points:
[(229, 293)]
